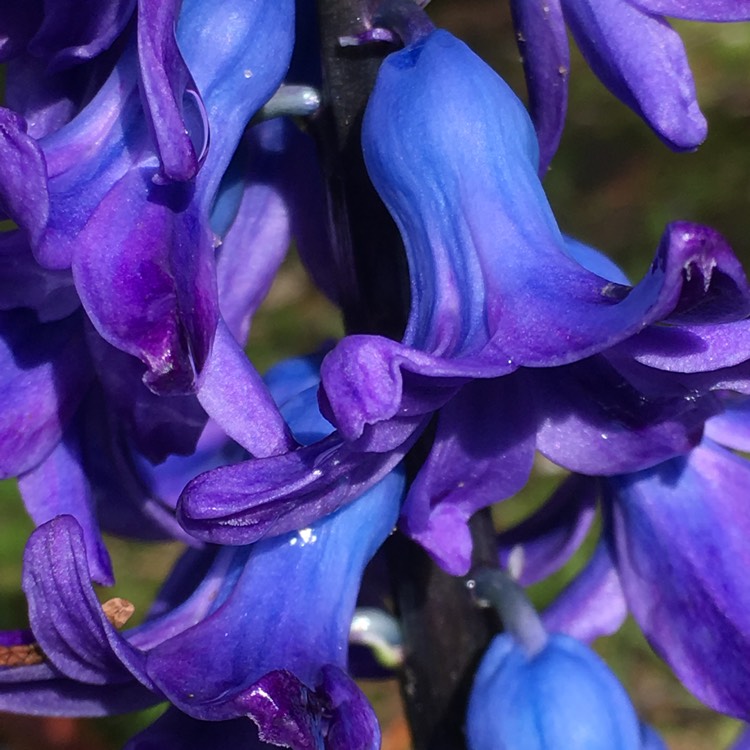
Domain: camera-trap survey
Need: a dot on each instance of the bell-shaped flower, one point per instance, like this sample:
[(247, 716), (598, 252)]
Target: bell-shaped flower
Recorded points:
[(231, 634), (539, 690), (561, 696), (630, 46), (518, 338), (116, 194)]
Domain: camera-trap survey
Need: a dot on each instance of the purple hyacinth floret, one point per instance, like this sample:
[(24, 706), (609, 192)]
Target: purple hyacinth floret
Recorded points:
[(213, 645)]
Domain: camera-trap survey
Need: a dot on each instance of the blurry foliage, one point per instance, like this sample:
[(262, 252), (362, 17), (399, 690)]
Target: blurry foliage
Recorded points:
[(614, 185)]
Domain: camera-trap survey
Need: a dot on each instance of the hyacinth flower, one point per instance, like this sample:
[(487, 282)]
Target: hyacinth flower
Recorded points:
[(507, 332), (633, 50), (537, 690), (231, 634), (673, 540), (122, 193), (93, 433)]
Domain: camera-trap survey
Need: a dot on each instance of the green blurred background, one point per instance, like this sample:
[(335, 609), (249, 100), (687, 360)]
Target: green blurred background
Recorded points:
[(613, 185)]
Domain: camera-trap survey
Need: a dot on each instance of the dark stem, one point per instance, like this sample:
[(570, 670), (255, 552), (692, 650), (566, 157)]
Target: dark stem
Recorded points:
[(445, 632), (367, 245)]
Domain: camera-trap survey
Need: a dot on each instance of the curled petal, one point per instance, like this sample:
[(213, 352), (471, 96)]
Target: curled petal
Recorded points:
[(593, 605), (144, 272), (243, 503), (66, 617), (366, 379), (641, 59), (242, 638)]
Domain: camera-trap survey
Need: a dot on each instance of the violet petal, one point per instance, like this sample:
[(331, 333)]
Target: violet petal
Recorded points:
[(543, 42), (593, 604), (167, 87), (57, 486), (65, 615), (45, 373), (75, 30), (24, 194), (595, 422), (680, 532), (482, 453), (640, 59), (548, 538), (234, 395), (242, 638)]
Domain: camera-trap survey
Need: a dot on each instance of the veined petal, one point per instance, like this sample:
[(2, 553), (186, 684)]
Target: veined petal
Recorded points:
[(680, 532), (66, 617), (543, 42), (642, 61), (480, 239), (238, 53)]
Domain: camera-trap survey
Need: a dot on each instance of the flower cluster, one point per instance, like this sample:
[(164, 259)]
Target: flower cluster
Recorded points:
[(157, 160)]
